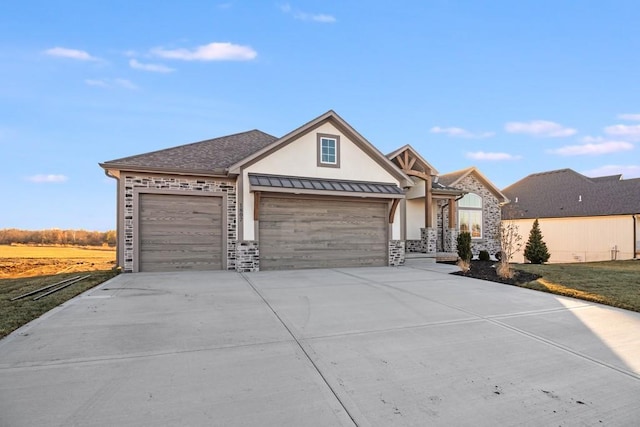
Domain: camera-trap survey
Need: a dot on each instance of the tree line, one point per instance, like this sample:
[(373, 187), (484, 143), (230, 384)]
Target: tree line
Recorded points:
[(56, 236)]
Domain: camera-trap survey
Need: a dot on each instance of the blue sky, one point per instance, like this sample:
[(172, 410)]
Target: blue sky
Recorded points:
[(512, 87)]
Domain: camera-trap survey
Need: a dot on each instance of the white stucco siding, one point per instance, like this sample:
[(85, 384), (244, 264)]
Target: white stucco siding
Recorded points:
[(300, 158), (582, 239), (415, 218)]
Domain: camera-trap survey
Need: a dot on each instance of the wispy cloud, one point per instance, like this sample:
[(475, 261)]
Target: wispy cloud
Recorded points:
[(322, 18), (155, 68), (633, 117), (460, 133), (627, 171), (481, 155), (541, 128), (111, 83), (40, 179), (631, 132), (593, 146), (63, 52), (209, 52)]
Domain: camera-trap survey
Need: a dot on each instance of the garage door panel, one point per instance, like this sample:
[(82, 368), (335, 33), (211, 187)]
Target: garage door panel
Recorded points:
[(180, 232), (316, 233)]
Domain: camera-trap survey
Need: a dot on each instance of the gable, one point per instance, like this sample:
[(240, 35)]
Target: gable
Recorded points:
[(300, 157), (359, 154)]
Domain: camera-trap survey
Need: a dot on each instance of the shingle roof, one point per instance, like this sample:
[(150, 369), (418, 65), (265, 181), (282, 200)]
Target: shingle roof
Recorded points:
[(566, 193), (315, 184), (214, 155)]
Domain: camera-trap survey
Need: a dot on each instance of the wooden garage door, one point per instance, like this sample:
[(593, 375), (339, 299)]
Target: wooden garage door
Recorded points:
[(180, 232), (321, 233)]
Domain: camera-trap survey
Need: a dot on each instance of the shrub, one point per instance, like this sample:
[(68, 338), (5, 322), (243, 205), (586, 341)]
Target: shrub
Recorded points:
[(499, 255), (464, 246), (536, 250), (484, 256), (505, 271)]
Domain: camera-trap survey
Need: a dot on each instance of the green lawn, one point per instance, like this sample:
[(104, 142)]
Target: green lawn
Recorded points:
[(615, 283), (14, 314)]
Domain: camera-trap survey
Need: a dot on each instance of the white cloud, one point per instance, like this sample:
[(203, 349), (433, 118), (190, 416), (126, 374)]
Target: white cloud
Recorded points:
[(542, 128), (156, 68), (631, 132), (633, 117), (628, 171), (304, 16), (459, 132), (63, 52), (39, 179), (110, 83), (481, 155), (592, 147), (209, 52)]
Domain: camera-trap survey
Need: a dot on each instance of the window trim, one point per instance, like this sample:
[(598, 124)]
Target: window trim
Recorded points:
[(319, 138), (473, 209)]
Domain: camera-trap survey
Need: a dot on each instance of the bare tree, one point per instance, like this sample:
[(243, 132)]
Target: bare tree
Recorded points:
[(510, 244)]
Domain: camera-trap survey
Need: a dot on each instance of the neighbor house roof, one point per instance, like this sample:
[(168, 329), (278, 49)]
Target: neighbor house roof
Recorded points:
[(212, 156), (566, 193), (452, 179)]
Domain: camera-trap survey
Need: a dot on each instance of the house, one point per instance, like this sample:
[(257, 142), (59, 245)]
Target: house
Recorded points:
[(582, 219), (320, 196)]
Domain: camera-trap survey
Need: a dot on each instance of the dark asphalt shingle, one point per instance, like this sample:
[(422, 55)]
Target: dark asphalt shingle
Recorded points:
[(211, 155), (566, 193)]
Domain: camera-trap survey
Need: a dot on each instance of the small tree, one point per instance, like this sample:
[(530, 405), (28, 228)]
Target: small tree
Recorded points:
[(463, 246), (510, 243), (536, 249)]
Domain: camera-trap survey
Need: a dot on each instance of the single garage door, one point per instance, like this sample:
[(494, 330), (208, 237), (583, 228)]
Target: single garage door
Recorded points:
[(321, 233), (180, 232)]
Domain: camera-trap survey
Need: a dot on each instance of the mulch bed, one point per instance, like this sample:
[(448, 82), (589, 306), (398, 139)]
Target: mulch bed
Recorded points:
[(486, 270)]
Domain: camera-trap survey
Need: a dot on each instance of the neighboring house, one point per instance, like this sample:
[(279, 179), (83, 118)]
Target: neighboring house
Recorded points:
[(582, 219), (320, 196)]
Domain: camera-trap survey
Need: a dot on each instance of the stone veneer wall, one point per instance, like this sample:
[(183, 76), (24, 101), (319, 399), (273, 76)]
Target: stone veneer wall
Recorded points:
[(247, 256), (188, 185), (491, 217), (429, 239), (396, 252), (413, 246)]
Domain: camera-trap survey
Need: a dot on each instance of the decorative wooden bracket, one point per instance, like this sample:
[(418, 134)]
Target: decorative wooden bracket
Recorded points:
[(392, 211)]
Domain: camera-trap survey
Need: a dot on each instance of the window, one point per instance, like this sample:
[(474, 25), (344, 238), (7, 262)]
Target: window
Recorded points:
[(328, 150), (470, 215)]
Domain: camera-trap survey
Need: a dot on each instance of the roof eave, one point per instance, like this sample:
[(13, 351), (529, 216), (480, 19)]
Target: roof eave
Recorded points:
[(167, 171)]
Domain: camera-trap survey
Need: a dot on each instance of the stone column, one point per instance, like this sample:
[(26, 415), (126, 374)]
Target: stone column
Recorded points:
[(429, 240), (396, 253)]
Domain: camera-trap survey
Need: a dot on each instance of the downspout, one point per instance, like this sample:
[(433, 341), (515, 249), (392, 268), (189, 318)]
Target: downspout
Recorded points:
[(635, 237), (442, 216)]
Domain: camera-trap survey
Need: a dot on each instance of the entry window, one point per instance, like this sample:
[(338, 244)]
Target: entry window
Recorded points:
[(470, 215), (328, 150)]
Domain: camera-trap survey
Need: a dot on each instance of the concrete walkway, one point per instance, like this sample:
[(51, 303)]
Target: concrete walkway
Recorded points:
[(369, 346)]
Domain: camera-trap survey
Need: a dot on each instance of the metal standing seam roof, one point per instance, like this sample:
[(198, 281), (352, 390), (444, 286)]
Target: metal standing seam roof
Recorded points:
[(304, 183)]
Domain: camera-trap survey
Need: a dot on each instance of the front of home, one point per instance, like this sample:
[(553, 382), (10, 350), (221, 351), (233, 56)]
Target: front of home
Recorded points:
[(320, 196), (582, 219)]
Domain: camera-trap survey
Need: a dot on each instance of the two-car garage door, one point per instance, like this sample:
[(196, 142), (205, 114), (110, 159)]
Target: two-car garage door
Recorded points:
[(185, 232), (180, 232), (322, 233)]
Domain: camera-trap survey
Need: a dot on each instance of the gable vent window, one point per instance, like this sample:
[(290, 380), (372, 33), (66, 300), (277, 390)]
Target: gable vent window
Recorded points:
[(328, 150), (470, 215)]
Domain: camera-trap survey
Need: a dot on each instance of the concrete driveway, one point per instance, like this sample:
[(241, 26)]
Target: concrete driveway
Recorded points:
[(368, 346)]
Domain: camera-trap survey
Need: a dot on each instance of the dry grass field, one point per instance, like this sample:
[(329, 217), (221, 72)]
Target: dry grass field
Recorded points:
[(28, 261)]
